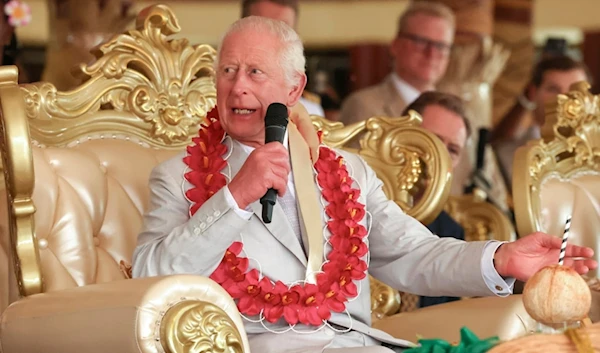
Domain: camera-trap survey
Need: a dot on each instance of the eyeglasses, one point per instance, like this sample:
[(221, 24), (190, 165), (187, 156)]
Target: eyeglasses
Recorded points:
[(423, 43)]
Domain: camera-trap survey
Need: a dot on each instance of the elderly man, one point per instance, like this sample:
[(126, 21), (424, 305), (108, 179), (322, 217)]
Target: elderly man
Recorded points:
[(286, 11), (420, 51), (204, 217)]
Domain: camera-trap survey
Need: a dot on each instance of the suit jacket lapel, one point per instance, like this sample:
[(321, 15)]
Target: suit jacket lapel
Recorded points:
[(280, 228), (395, 103)]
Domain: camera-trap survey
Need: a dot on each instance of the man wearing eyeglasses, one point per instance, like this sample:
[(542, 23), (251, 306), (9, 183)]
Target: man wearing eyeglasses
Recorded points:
[(420, 51)]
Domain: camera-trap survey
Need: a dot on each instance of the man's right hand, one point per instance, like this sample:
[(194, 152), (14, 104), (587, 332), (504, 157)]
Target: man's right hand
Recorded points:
[(267, 167)]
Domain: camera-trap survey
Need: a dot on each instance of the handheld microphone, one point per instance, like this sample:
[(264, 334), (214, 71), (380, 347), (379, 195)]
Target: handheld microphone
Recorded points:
[(276, 121)]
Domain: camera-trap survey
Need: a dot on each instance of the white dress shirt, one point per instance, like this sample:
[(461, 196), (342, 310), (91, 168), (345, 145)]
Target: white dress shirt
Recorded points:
[(408, 93), (502, 287), (312, 108)]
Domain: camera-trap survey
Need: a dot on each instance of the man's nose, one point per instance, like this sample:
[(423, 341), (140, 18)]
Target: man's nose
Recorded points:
[(240, 84)]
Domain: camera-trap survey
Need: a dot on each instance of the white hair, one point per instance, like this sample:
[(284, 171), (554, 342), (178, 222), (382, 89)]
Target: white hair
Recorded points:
[(291, 55)]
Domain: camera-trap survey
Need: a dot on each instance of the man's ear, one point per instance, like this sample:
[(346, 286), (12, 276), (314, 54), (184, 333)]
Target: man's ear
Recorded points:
[(296, 91)]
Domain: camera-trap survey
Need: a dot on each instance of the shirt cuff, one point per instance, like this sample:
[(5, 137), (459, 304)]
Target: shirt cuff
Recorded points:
[(244, 214), (502, 287)]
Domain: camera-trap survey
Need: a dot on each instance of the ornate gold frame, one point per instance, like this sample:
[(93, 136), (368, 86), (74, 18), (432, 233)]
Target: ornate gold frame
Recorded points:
[(570, 145), (143, 87), (412, 163), (141, 81), (480, 219), (196, 326)]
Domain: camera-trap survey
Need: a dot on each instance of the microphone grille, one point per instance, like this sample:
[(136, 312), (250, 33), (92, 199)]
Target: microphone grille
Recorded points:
[(277, 114)]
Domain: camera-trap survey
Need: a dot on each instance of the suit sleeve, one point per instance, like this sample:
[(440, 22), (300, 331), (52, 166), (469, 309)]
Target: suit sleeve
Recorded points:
[(407, 256), (172, 242)]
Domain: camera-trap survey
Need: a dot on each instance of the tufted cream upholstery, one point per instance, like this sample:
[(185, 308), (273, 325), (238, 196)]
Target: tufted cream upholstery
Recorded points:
[(89, 215), (579, 197), (77, 165)]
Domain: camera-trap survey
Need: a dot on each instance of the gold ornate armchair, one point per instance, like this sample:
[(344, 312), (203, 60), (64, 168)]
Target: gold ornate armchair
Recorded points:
[(558, 176), (414, 167), (76, 169), (480, 219)]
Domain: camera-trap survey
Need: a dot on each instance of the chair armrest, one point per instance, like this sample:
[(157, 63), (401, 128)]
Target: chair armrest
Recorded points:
[(486, 317), (157, 314)]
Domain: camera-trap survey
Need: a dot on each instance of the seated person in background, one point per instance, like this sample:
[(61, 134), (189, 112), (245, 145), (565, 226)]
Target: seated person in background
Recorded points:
[(420, 54), (552, 76), (204, 217), (444, 115), (286, 11)]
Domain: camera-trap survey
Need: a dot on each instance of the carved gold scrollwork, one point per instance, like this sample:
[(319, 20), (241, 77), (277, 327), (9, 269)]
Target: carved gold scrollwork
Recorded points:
[(412, 163), (140, 81), (570, 145), (199, 327), (18, 176), (385, 300), (336, 134), (480, 219)]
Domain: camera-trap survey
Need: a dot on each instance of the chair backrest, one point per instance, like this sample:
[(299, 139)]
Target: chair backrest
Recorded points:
[(77, 162), (480, 219), (414, 167), (557, 176), (412, 163)]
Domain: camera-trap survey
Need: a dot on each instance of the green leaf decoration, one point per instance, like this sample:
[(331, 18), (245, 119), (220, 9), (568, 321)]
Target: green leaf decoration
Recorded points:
[(469, 343)]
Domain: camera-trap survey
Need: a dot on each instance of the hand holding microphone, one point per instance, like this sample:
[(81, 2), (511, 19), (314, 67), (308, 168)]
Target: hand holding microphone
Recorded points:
[(264, 175)]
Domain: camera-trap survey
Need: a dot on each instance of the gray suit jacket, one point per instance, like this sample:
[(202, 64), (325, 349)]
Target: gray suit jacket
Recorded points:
[(403, 253), (381, 99)]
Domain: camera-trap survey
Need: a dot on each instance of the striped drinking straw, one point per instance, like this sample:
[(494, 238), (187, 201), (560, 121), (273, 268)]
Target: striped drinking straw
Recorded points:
[(563, 247)]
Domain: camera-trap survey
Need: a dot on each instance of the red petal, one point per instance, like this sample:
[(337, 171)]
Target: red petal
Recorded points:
[(290, 314)]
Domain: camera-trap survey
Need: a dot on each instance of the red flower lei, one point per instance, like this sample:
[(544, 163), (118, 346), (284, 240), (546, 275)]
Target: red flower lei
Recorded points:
[(309, 304)]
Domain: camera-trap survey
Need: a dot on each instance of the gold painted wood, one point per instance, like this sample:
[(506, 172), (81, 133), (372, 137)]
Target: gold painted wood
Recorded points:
[(412, 163), (480, 219), (19, 180), (196, 327), (141, 81)]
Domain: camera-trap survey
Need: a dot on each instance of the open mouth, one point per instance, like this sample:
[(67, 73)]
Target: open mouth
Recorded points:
[(243, 111)]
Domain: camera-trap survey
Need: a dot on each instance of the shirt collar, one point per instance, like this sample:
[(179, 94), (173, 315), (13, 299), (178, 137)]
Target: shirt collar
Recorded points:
[(406, 91)]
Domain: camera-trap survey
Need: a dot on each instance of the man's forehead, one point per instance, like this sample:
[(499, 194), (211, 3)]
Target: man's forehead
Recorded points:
[(252, 42), (564, 76)]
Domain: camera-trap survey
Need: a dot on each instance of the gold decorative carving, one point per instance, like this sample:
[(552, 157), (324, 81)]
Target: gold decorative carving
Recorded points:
[(385, 300), (412, 163), (336, 134), (19, 181), (199, 327), (480, 219), (141, 81), (570, 145)]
